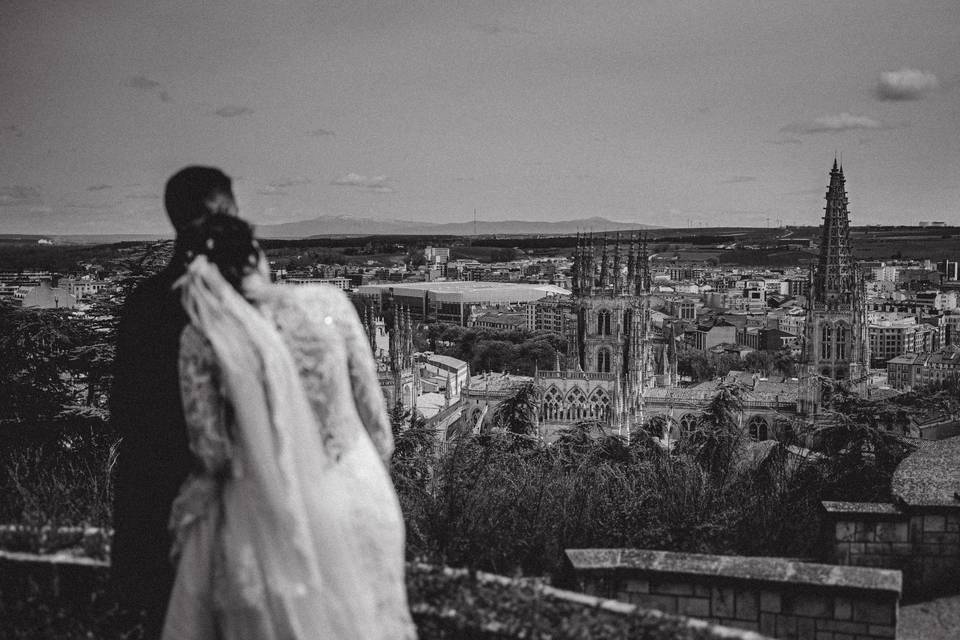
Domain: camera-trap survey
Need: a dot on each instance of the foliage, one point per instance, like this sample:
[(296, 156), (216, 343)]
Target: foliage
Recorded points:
[(519, 352), (517, 414), (701, 366)]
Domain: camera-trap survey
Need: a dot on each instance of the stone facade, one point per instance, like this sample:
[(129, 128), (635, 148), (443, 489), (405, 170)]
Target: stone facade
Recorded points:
[(923, 544), (774, 596)]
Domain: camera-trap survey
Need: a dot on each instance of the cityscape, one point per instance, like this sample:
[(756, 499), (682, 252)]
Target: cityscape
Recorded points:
[(494, 321)]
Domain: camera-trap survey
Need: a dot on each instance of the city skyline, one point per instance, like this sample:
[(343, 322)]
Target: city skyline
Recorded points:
[(670, 114)]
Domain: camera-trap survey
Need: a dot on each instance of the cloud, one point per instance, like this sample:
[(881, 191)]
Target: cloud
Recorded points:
[(232, 111), (19, 194), (142, 83), (99, 187), (291, 182), (317, 133), (739, 179), (271, 190), (833, 124), (785, 141), (906, 84), (165, 97), (379, 184)]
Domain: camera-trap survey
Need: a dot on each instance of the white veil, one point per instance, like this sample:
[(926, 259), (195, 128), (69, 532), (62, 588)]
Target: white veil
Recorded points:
[(287, 553)]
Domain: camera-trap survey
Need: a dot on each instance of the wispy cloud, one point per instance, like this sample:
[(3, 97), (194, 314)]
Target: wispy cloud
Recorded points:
[(906, 84), (147, 85), (318, 133), (99, 187), (19, 194), (290, 182), (739, 179), (380, 184), (833, 124), (141, 82), (782, 141), (232, 111), (271, 190), (805, 192)]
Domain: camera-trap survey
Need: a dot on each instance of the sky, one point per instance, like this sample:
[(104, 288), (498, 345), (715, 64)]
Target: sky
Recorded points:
[(671, 112)]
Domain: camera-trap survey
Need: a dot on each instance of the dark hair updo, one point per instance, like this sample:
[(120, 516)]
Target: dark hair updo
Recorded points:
[(227, 242)]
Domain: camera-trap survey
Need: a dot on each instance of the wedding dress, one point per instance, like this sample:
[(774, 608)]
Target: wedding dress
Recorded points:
[(291, 529)]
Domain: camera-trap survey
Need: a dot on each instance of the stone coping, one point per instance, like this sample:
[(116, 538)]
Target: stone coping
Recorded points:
[(764, 569), (930, 476), (670, 624), (862, 508)]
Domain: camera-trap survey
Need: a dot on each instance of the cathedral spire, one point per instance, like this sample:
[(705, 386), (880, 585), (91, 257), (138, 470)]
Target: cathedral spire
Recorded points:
[(575, 268), (630, 285), (643, 267), (834, 274)]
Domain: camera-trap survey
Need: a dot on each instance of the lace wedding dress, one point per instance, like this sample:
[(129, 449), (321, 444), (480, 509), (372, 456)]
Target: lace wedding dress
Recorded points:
[(292, 528)]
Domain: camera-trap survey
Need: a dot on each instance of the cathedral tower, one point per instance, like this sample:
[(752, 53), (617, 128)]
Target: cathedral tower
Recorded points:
[(836, 343)]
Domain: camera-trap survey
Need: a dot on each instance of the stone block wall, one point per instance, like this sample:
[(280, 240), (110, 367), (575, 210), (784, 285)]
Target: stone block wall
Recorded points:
[(923, 543), (773, 596)]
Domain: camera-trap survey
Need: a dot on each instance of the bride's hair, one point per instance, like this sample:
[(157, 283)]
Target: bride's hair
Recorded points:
[(226, 241)]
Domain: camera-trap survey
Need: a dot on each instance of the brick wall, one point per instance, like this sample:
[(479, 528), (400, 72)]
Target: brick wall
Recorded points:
[(773, 596), (923, 543)]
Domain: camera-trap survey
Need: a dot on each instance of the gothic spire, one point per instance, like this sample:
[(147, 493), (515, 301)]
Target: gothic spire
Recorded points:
[(630, 286), (835, 268), (604, 269)]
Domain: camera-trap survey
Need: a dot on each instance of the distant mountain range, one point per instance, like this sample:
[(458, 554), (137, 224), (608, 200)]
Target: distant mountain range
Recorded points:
[(343, 226)]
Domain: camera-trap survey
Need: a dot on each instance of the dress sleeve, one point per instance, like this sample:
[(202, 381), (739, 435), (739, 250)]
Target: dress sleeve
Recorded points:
[(204, 409), (363, 378)]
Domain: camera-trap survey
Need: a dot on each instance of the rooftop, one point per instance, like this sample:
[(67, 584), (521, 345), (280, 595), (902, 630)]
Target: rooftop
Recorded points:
[(930, 476)]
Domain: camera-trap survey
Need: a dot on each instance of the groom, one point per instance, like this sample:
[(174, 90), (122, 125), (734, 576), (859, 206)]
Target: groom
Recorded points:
[(146, 409)]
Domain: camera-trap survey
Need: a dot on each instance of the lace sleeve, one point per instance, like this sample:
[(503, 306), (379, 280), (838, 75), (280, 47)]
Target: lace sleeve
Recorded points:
[(203, 406), (363, 378)]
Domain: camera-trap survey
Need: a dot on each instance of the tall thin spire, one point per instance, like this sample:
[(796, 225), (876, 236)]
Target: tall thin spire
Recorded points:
[(631, 286), (834, 275), (604, 268)]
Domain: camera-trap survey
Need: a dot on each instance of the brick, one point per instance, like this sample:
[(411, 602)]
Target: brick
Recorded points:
[(721, 602), (786, 627), (701, 591), (638, 586), (877, 548), (937, 537), (893, 532), (916, 527), (845, 531), (806, 629), (667, 604), (808, 604), (856, 549), (748, 606), (768, 624), (673, 588), (695, 607), (934, 523), (872, 612), (842, 608), (902, 548), (882, 631), (865, 532), (770, 601), (840, 626)]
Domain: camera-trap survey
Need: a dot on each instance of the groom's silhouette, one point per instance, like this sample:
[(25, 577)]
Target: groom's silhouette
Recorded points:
[(154, 458)]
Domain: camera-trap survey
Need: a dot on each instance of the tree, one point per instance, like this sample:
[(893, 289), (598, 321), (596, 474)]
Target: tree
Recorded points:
[(517, 414)]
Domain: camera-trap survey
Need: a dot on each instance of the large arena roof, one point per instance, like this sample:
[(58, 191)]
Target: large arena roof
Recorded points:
[(468, 291)]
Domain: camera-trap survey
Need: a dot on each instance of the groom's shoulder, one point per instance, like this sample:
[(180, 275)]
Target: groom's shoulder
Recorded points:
[(150, 297)]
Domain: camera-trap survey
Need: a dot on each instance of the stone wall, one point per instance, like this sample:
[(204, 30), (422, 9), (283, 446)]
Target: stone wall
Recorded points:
[(777, 597), (923, 543)]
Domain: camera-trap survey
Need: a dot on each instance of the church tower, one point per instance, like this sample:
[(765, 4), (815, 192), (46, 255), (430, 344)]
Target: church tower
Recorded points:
[(836, 343), (612, 355)]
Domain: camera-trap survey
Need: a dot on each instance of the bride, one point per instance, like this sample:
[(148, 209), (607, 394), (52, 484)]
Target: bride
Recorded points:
[(290, 527)]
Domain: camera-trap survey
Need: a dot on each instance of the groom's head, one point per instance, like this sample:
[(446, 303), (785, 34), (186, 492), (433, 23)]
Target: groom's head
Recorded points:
[(194, 193)]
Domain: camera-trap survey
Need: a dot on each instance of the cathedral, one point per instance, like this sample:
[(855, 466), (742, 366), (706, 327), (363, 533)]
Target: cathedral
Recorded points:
[(613, 352), (836, 345), (391, 340)]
